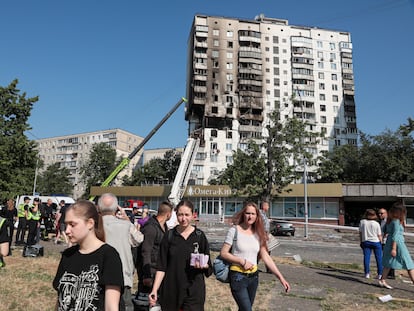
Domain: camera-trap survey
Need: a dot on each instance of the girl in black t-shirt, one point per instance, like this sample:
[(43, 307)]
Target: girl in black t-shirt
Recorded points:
[(89, 276)]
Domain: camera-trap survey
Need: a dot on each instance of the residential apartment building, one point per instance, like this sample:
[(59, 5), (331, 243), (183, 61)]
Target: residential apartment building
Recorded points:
[(239, 71), (72, 152)]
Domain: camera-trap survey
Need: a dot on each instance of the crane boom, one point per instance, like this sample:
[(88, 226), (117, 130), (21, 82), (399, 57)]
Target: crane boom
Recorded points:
[(126, 161)]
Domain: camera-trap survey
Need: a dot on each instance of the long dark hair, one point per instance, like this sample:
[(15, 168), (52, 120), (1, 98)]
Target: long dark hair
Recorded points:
[(87, 210), (258, 226)]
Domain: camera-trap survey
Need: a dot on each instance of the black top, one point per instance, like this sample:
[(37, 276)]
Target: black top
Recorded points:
[(183, 284), (81, 278), (4, 233), (9, 214), (148, 254)]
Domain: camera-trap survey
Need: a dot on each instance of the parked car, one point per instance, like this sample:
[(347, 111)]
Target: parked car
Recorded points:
[(281, 228)]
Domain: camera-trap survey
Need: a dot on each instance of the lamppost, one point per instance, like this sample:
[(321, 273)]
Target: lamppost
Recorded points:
[(35, 178), (305, 177)]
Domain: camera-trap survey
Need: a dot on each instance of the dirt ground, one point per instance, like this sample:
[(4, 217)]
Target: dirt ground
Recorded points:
[(325, 287)]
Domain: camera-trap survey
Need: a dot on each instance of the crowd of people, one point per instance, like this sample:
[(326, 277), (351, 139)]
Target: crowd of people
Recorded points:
[(105, 246), (383, 234)]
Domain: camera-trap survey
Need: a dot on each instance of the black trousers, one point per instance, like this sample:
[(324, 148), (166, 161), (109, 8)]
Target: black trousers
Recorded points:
[(21, 229), (31, 237)]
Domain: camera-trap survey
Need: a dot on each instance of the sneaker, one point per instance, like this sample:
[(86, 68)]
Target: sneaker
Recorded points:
[(367, 276), (2, 263)]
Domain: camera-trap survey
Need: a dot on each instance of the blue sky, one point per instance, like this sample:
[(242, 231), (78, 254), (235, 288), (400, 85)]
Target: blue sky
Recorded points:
[(100, 64)]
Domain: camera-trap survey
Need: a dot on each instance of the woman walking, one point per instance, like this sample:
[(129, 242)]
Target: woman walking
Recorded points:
[(243, 255), (89, 276), (183, 286), (396, 255), (370, 236)]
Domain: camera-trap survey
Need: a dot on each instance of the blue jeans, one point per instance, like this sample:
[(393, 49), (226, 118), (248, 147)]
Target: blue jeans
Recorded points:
[(243, 288), (367, 247)]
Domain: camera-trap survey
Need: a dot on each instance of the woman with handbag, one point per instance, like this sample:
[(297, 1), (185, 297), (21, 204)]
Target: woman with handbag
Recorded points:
[(243, 255), (180, 275)]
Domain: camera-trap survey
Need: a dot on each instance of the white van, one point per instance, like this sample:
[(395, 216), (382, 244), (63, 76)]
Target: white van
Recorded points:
[(44, 198)]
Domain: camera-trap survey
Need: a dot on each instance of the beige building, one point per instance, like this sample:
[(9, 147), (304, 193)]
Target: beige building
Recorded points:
[(239, 71), (72, 151)]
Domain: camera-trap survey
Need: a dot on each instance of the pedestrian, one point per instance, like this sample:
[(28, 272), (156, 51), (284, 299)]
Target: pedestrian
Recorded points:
[(147, 255), (383, 216), (396, 255), (33, 221), (22, 226), (370, 238), (144, 217), (121, 234), (62, 225), (264, 208), (243, 255), (47, 212), (4, 240), (89, 276), (10, 213), (180, 279)]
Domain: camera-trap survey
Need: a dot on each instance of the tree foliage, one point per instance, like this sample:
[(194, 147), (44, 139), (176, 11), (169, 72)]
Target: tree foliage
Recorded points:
[(264, 170), (17, 153), (156, 171), (54, 180), (101, 162), (387, 157)]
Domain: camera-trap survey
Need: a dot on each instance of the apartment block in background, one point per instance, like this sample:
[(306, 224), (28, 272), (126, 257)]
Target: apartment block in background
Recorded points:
[(72, 151), (239, 71)]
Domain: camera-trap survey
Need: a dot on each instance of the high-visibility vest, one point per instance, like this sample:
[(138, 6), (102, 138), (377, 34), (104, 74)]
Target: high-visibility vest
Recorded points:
[(34, 216), (20, 210), (2, 220)]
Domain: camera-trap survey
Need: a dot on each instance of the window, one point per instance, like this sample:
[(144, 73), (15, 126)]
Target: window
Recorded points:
[(334, 77), (229, 55), (335, 108), (319, 44), (336, 120), (335, 98), (229, 77), (229, 33), (320, 65), (229, 159), (214, 109), (320, 55), (321, 96), (213, 133), (229, 66), (215, 54), (332, 45), (323, 119), (321, 86), (333, 66), (229, 147), (216, 32), (275, 39), (229, 110), (230, 44), (216, 43), (322, 107), (321, 75), (334, 87)]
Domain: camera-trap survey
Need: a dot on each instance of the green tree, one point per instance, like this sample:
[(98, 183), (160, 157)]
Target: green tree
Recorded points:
[(263, 171), (101, 162), (387, 157), (54, 180), (157, 170), (247, 173), (18, 155)]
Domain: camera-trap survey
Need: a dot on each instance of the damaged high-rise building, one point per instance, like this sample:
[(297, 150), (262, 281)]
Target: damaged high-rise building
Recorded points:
[(239, 71)]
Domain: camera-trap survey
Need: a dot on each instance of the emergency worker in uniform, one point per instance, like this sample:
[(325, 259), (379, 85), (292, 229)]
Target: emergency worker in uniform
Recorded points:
[(33, 218), (22, 214)]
